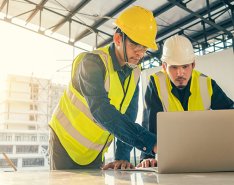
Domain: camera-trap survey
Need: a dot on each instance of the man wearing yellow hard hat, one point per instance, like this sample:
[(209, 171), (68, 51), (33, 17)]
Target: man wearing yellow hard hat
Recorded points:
[(178, 87), (101, 100)]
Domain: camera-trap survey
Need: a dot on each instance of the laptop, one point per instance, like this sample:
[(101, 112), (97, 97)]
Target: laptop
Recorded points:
[(195, 141)]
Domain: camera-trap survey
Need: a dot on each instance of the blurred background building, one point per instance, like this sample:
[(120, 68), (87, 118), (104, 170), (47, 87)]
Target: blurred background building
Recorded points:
[(26, 106)]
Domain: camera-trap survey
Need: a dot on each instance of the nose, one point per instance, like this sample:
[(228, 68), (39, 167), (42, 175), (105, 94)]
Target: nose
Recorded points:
[(180, 71), (140, 53)]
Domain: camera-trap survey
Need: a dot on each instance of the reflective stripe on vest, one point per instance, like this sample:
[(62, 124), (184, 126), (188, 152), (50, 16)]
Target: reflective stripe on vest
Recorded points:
[(137, 73), (76, 135), (104, 57), (162, 80), (163, 90), (81, 106), (204, 92)]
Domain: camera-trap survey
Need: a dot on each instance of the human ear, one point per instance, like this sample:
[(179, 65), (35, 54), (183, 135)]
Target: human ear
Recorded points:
[(193, 64), (117, 39), (164, 66)]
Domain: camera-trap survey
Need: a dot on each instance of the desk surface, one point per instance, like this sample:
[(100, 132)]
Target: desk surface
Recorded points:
[(110, 177)]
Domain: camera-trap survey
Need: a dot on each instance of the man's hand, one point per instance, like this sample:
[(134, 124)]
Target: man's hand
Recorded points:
[(147, 163), (118, 164), (155, 149)]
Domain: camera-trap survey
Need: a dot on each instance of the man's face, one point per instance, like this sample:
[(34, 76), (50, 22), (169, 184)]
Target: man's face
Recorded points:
[(135, 52), (179, 74)]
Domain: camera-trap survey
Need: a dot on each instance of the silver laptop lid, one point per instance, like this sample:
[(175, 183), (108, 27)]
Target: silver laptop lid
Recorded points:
[(195, 141)]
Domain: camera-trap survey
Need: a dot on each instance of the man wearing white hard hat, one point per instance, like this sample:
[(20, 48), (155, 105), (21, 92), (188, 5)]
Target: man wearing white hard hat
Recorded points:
[(178, 87)]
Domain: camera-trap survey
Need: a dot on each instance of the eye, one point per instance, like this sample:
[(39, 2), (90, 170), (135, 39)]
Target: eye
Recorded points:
[(173, 67), (185, 66), (135, 46)]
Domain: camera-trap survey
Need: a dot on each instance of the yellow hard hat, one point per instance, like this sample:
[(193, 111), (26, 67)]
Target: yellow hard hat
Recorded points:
[(139, 25), (178, 50)]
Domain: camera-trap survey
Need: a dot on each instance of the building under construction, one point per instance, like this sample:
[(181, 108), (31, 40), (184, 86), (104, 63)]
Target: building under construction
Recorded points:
[(25, 109)]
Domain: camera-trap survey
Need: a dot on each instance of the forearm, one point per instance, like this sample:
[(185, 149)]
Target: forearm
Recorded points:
[(123, 129)]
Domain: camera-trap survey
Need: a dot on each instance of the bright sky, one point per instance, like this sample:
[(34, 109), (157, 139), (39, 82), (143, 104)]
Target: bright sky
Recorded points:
[(25, 53)]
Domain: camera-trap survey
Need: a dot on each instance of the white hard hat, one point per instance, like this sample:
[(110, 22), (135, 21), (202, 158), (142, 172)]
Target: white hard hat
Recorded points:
[(178, 50)]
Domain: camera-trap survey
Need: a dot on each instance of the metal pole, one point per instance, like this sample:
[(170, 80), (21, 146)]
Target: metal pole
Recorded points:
[(9, 161)]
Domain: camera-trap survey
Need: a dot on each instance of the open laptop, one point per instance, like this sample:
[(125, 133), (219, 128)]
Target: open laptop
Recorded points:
[(195, 141)]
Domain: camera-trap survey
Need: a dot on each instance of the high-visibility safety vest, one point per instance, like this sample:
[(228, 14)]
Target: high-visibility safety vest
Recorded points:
[(72, 121), (200, 88)]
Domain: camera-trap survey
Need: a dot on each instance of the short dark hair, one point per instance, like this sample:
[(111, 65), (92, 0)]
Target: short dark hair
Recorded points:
[(118, 30)]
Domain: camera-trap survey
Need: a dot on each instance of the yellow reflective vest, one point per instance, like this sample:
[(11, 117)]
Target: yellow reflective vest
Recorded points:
[(200, 88), (72, 121)]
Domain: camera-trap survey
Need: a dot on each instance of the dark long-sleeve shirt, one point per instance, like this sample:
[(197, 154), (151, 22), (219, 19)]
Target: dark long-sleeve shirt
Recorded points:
[(219, 100), (89, 81)]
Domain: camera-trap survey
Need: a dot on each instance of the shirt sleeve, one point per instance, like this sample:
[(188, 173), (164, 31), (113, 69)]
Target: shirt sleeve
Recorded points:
[(89, 81), (219, 99), (153, 105), (122, 151)]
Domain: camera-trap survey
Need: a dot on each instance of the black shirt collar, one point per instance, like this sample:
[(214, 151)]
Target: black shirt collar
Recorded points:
[(181, 94), (175, 88)]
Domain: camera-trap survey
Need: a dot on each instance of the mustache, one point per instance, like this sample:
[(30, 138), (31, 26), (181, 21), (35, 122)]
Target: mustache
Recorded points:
[(180, 78)]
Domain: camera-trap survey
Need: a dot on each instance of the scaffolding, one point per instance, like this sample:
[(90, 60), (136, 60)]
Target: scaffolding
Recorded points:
[(24, 113)]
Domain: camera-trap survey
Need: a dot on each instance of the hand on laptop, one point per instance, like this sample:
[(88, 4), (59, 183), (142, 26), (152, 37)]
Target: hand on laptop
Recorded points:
[(147, 163), (118, 164)]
